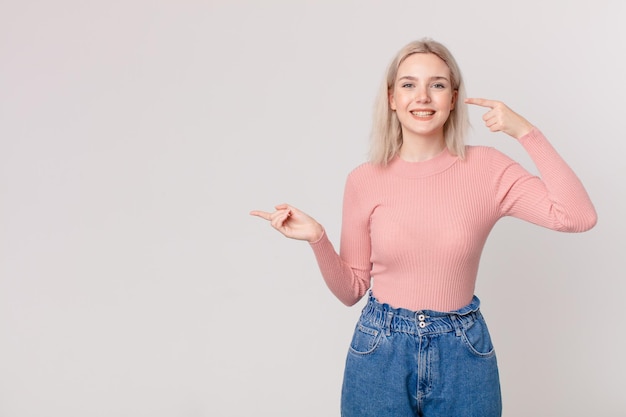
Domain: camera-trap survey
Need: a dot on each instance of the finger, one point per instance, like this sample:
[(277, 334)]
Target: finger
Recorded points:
[(262, 214), (494, 125), (488, 116), (483, 102), (291, 209), (285, 206), (491, 121), (278, 218)]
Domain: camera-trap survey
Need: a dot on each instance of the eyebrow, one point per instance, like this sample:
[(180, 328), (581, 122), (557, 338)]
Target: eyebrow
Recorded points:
[(411, 78)]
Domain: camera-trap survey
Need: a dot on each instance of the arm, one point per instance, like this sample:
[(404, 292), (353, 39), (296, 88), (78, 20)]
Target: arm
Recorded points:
[(348, 275), (347, 283), (558, 199)]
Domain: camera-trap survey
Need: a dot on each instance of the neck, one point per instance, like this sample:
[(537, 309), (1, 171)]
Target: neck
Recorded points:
[(421, 149)]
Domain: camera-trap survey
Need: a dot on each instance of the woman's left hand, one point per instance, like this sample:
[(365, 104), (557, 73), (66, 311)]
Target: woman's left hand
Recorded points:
[(500, 118)]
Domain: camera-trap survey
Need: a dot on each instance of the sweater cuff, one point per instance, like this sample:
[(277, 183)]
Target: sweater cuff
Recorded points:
[(532, 136), (320, 239)]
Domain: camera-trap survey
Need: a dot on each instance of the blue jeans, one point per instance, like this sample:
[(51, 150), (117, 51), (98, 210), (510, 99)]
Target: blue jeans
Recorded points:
[(426, 363)]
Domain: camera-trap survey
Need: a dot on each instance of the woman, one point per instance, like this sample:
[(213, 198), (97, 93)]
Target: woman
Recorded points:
[(415, 221)]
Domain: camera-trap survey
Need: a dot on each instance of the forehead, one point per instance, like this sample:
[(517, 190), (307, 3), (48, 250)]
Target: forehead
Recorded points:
[(423, 65)]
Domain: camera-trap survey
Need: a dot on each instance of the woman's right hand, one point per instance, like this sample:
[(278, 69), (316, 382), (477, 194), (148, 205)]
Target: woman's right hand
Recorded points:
[(292, 223)]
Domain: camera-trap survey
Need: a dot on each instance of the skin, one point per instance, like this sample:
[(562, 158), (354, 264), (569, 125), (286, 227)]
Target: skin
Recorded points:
[(422, 98), (423, 137)]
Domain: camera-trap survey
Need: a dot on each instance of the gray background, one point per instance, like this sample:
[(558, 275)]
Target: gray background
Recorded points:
[(135, 136)]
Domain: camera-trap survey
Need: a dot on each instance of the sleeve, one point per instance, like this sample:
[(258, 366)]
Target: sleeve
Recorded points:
[(556, 200), (347, 275)]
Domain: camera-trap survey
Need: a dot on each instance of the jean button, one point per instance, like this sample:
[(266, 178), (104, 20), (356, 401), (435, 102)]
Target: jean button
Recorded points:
[(422, 324), (421, 317)]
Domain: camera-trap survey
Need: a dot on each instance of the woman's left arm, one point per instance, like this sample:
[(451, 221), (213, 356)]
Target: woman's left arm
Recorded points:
[(558, 199)]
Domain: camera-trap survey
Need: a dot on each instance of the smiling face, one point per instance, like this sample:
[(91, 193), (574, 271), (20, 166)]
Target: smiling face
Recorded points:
[(422, 96)]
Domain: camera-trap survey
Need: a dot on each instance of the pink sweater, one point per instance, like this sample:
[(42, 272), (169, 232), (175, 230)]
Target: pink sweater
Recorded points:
[(417, 229)]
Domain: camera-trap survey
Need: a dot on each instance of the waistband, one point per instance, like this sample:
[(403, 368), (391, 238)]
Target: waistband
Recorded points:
[(420, 322)]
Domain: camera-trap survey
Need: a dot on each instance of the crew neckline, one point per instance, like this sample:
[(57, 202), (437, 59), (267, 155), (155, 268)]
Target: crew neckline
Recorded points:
[(438, 163)]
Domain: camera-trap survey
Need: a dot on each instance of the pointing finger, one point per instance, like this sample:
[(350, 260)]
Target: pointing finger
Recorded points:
[(262, 214), (483, 102)]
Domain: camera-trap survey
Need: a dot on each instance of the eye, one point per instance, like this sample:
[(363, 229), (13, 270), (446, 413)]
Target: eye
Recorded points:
[(439, 85), (407, 85)]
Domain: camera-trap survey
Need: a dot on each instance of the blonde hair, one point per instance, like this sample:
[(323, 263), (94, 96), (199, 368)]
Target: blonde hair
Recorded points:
[(386, 137)]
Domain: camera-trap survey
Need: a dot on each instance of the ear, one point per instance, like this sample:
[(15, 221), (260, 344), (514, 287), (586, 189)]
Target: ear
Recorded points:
[(455, 95), (392, 101)]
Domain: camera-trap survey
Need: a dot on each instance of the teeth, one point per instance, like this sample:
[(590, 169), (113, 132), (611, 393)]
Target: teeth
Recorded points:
[(422, 113)]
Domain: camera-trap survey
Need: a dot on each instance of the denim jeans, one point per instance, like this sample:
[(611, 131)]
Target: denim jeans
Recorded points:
[(426, 363)]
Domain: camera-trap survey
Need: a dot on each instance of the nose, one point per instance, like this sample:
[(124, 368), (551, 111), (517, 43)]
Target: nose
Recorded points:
[(422, 95)]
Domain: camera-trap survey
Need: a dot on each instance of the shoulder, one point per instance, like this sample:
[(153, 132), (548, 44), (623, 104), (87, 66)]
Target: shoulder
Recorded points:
[(365, 177), (366, 170), (486, 161), (484, 155)]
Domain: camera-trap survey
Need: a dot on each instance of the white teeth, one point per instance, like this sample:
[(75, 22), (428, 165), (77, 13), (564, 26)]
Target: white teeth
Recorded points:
[(422, 113)]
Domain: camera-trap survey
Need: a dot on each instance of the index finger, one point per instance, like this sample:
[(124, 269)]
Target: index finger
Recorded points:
[(262, 214), (483, 102)]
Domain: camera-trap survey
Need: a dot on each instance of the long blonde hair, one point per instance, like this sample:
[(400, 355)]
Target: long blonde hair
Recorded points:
[(386, 137)]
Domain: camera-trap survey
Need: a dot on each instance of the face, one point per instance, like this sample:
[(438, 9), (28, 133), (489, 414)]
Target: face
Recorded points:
[(422, 96)]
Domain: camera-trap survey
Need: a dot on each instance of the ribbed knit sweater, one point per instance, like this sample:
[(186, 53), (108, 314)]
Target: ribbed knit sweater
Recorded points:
[(416, 230)]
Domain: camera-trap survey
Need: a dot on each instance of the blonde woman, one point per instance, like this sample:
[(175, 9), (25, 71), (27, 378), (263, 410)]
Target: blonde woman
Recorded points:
[(415, 220)]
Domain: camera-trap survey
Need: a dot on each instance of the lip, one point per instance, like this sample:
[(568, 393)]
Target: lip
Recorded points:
[(422, 113)]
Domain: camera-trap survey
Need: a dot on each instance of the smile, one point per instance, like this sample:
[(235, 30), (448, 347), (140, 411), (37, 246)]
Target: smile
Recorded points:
[(422, 113)]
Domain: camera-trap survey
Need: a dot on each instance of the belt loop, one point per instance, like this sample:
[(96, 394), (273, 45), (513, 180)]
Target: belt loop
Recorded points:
[(388, 320), (456, 324)]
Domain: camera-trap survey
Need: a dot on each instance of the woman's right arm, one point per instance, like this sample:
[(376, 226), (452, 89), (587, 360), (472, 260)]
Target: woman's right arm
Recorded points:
[(348, 275), (347, 283)]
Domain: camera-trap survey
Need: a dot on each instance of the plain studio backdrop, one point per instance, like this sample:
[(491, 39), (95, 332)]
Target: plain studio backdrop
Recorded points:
[(136, 135)]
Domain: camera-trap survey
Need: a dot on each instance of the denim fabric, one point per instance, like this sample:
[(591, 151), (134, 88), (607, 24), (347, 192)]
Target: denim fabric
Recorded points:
[(405, 363)]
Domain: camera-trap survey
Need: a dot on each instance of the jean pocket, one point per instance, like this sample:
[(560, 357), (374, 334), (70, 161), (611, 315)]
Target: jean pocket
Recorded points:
[(365, 340), (477, 339)]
